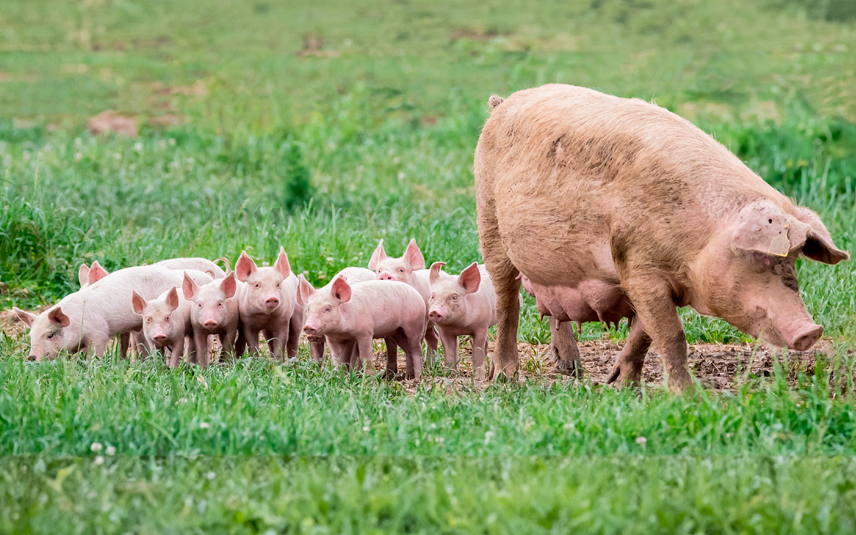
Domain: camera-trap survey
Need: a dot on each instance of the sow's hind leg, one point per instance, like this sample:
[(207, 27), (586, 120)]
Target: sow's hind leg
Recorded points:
[(505, 359), (564, 348)]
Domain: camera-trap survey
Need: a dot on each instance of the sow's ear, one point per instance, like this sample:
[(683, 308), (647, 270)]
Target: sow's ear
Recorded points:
[(767, 229), (818, 245)]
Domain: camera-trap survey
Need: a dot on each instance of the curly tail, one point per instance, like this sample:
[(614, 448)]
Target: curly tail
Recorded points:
[(225, 262), (494, 101)]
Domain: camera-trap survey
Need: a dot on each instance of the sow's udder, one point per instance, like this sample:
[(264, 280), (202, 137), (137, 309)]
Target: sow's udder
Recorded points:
[(591, 300)]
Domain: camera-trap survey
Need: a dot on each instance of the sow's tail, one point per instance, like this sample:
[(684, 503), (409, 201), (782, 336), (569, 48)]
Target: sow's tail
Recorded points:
[(494, 101)]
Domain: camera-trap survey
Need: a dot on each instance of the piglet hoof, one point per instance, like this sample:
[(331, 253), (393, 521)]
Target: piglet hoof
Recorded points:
[(571, 368), (480, 374), (389, 375)]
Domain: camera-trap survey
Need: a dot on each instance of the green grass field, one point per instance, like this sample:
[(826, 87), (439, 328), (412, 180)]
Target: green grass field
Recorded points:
[(325, 126)]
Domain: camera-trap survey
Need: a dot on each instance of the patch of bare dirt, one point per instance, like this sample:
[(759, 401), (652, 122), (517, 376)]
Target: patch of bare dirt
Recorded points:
[(312, 44), (110, 121), (473, 34), (717, 366)]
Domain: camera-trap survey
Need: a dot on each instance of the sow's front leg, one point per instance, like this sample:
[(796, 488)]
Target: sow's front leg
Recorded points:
[(564, 348), (628, 369), (658, 313)]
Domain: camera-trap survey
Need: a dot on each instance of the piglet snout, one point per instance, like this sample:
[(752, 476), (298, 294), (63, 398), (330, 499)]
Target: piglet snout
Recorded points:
[(159, 338), (436, 316), (308, 329), (272, 302), (31, 358), (804, 339), (209, 324), (386, 276)]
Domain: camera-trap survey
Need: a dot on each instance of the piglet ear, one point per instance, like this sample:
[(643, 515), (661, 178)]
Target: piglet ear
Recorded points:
[(434, 275), (138, 303), (818, 244), (245, 267), (172, 299), (96, 272), (229, 285), (304, 290), (56, 316), (470, 278), (189, 287), (281, 263), (413, 256), (378, 256), (83, 275), (341, 290), (26, 317)]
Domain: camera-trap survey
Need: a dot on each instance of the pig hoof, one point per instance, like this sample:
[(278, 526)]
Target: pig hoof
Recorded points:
[(569, 367), (480, 374), (389, 375), (624, 377)]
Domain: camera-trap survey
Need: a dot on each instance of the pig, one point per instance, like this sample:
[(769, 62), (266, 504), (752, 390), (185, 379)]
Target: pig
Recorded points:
[(617, 208), (166, 324), (463, 306), (409, 269), (214, 310), (88, 318), (563, 345), (90, 275), (267, 303), (350, 316), (353, 275)]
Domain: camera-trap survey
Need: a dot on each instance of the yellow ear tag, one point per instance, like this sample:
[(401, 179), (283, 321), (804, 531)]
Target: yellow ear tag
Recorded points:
[(781, 245)]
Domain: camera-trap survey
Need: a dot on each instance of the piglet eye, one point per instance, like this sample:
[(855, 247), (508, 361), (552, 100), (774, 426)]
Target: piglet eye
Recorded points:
[(166, 319), (220, 305), (256, 285), (279, 285), (328, 309), (401, 271)]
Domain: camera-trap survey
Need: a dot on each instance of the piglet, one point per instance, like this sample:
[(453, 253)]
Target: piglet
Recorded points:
[(166, 324), (87, 319), (353, 275), (409, 269), (463, 306), (214, 310), (267, 304), (350, 316)]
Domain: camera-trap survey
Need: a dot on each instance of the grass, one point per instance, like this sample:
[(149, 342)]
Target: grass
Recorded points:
[(324, 127)]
